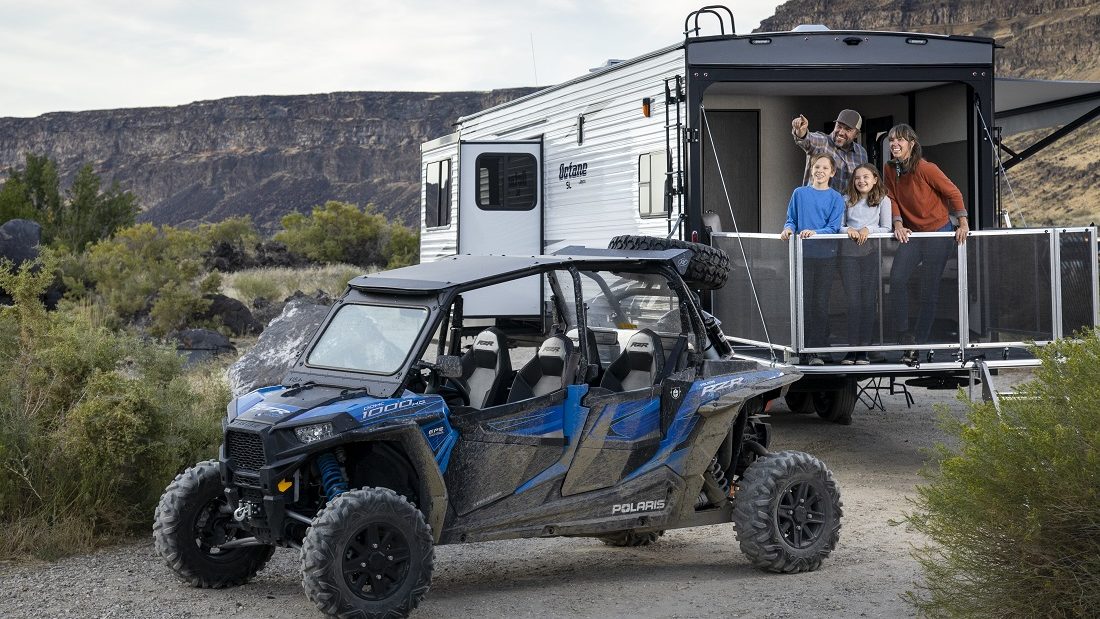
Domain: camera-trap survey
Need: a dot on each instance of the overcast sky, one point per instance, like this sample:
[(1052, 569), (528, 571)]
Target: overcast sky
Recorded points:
[(70, 55)]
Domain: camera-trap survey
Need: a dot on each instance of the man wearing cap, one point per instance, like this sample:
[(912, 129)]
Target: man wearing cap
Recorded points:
[(841, 145)]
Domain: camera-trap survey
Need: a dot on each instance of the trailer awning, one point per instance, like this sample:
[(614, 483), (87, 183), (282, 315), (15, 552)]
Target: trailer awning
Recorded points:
[(1026, 105)]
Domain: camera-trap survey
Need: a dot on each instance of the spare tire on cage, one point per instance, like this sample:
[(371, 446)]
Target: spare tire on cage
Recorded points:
[(707, 270)]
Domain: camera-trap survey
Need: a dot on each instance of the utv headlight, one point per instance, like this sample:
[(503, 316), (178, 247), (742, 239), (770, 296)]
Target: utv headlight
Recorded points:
[(315, 432)]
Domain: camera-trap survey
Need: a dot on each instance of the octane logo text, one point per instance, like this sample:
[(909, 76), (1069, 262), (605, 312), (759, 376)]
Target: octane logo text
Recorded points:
[(640, 506)]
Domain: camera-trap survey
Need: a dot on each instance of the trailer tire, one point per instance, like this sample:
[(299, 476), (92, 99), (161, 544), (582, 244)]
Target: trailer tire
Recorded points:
[(837, 405), (799, 402), (708, 269)]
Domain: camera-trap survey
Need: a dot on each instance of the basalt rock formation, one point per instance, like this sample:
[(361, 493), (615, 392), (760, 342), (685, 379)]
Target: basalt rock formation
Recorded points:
[(258, 156)]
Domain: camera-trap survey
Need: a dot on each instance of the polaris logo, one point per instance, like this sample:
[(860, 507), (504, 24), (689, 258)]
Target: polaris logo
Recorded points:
[(716, 388), (640, 506), (391, 407)]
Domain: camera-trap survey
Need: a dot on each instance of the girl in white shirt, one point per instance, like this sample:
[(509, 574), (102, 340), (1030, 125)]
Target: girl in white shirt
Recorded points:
[(868, 211)]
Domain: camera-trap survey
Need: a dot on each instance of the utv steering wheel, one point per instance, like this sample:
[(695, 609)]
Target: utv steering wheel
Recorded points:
[(456, 386), (445, 385)]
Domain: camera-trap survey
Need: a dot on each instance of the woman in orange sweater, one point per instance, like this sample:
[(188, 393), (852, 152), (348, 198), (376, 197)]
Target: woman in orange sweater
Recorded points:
[(923, 200)]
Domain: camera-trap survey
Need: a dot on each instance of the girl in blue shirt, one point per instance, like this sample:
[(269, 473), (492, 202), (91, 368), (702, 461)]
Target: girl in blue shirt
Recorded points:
[(816, 209)]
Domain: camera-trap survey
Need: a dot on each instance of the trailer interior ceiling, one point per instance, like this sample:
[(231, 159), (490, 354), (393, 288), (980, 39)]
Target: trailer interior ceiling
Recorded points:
[(750, 127)]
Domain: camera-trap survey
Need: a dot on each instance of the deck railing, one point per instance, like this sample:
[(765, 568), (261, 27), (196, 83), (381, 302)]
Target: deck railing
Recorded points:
[(1000, 289)]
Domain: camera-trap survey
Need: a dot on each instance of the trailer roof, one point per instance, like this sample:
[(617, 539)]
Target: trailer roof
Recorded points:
[(468, 270)]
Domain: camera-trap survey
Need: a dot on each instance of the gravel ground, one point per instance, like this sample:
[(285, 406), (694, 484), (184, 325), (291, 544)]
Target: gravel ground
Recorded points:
[(688, 573)]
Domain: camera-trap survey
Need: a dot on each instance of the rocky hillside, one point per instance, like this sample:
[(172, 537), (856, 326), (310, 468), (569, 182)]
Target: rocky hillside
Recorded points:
[(266, 156), (1042, 39), (261, 156)]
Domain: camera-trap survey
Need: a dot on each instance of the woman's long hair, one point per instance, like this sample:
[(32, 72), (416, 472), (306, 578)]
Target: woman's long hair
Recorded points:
[(907, 133), (874, 197)]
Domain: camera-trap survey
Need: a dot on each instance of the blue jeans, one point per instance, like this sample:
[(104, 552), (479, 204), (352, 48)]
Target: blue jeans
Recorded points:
[(817, 283), (860, 275), (930, 257)]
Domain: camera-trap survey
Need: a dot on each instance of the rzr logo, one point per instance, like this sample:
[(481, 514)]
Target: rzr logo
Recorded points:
[(640, 345), (640, 506), (485, 343), (552, 348), (725, 385)]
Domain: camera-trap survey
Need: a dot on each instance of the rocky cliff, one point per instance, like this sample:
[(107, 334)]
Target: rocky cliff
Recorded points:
[(260, 156), (267, 156)]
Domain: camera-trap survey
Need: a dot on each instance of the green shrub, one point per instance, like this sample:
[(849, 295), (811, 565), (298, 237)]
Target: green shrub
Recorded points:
[(1014, 510), (93, 424), (341, 232)]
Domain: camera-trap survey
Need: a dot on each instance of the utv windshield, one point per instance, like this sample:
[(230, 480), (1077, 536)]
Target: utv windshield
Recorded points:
[(368, 338)]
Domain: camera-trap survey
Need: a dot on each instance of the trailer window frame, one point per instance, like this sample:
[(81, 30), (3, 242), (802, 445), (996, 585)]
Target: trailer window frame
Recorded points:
[(437, 211), (506, 181), (648, 190)]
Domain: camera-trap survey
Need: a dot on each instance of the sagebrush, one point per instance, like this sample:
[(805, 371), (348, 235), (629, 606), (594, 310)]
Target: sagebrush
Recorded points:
[(1013, 511), (93, 423)]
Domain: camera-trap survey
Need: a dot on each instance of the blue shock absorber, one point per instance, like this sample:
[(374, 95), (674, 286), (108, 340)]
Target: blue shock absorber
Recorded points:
[(332, 478)]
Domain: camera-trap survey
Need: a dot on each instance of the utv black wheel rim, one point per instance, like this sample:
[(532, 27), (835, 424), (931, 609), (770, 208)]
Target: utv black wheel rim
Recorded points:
[(214, 526), (376, 561), (801, 514)]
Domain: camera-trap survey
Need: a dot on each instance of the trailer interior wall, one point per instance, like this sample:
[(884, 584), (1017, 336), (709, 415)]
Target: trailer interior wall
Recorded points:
[(591, 208)]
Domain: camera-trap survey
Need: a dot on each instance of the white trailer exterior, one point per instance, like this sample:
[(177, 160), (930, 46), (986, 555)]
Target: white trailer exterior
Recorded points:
[(694, 139), (592, 134)]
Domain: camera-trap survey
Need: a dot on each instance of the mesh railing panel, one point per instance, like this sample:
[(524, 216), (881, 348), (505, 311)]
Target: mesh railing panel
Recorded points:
[(1009, 288), (1009, 295), (769, 263), (1076, 253)]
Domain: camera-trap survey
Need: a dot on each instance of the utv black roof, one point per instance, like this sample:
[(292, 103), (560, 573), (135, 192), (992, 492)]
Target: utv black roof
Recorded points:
[(465, 271)]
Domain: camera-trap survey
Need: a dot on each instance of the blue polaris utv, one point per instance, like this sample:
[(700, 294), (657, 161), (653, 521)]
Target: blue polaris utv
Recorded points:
[(617, 411)]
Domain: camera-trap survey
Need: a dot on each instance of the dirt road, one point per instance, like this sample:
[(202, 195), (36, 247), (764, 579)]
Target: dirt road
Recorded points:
[(689, 573)]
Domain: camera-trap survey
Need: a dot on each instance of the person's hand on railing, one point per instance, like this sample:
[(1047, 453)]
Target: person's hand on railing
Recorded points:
[(859, 236), (961, 231), (901, 233), (806, 234), (785, 234)]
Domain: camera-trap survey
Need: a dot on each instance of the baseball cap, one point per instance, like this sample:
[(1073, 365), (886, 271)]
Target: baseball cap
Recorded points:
[(850, 118)]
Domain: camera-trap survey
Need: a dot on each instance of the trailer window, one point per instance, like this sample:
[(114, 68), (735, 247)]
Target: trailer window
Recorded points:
[(506, 181), (651, 184), (437, 194)]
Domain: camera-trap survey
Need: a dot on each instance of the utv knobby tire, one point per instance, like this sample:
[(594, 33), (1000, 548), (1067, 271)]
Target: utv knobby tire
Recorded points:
[(192, 520), (626, 539), (837, 405), (787, 512), (368, 553), (707, 270)]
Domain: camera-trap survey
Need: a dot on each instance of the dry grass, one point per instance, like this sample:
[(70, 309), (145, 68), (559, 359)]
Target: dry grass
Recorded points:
[(278, 283)]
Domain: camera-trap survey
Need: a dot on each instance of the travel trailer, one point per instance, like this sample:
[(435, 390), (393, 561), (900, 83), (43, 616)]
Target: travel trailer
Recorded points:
[(693, 142)]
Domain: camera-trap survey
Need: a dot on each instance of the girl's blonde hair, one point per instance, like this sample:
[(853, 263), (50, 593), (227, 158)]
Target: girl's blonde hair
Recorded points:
[(874, 197)]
